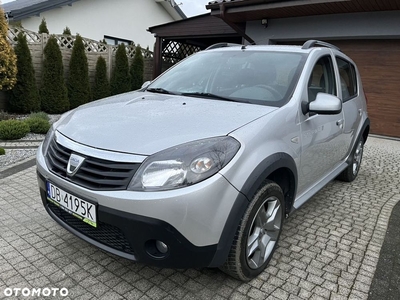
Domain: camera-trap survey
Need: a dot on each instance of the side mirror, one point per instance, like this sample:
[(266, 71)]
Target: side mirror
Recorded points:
[(145, 85), (325, 104)]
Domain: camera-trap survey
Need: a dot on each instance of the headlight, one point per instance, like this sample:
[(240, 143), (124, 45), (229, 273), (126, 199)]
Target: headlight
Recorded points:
[(50, 133), (47, 140), (184, 165)]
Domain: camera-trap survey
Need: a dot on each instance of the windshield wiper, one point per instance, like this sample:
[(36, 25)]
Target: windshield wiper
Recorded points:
[(208, 95), (160, 91)]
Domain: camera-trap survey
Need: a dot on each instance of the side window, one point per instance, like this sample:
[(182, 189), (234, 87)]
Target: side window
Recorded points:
[(322, 79), (348, 81)]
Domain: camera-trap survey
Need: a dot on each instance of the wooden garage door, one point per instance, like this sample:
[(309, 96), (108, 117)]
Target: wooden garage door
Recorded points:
[(379, 65)]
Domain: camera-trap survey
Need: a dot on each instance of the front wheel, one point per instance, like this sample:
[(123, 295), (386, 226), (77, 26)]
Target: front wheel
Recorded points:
[(257, 235)]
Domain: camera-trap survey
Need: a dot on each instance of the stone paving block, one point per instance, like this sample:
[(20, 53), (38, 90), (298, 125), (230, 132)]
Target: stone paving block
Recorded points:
[(290, 288), (304, 294), (329, 248), (280, 294), (237, 296)]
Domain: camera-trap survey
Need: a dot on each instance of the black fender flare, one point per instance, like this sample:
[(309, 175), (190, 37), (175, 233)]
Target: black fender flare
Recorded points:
[(362, 133), (253, 182), (265, 168)]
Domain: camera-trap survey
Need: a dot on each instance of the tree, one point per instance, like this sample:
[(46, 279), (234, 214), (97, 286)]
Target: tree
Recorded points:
[(43, 27), (78, 80), (67, 31), (24, 97), (120, 79), (67, 41), (8, 59), (101, 85), (137, 69), (53, 92)]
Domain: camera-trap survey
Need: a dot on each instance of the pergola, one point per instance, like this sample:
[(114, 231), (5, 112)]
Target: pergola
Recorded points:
[(177, 40)]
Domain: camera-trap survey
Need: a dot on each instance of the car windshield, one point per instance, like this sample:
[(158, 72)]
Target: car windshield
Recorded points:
[(258, 77)]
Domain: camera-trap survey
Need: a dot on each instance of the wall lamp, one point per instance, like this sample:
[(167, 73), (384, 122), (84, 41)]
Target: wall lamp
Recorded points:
[(264, 22)]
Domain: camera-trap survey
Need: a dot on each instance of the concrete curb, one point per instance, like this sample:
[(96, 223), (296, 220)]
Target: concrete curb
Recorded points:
[(17, 167)]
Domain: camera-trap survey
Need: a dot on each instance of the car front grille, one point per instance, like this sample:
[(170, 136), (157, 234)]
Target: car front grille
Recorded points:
[(105, 234), (94, 174)]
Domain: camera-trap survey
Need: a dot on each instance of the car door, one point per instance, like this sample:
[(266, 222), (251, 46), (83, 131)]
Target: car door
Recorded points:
[(352, 100), (321, 134)]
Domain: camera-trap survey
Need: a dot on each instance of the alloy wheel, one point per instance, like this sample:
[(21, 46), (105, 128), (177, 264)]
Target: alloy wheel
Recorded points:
[(264, 232)]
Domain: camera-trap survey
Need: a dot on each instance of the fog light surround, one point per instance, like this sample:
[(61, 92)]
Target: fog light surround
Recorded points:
[(157, 249)]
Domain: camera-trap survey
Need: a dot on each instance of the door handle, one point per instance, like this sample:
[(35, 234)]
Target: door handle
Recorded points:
[(340, 123)]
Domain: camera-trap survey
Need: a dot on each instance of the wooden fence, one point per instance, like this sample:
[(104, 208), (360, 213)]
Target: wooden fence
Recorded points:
[(93, 49)]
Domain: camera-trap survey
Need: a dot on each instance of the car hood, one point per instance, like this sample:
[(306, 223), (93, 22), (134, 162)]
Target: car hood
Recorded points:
[(144, 123)]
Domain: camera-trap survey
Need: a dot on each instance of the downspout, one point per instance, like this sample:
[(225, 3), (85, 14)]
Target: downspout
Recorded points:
[(235, 27)]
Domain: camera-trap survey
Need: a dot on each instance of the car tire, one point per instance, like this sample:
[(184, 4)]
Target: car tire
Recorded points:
[(257, 234), (351, 172)]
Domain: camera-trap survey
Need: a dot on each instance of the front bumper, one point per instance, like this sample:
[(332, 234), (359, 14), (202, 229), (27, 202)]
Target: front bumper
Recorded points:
[(196, 223)]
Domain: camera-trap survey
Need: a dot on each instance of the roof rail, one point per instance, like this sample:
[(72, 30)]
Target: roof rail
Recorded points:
[(312, 43), (222, 45)]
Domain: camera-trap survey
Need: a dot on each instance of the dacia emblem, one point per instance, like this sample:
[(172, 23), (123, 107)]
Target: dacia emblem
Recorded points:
[(74, 163)]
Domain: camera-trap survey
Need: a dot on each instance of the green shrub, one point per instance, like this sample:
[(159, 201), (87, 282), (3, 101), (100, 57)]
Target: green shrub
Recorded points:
[(43, 27), (53, 92), (13, 130), (38, 125), (40, 115), (24, 97), (4, 116), (78, 80), (2, 151), (137, 69), (101, 87), (120, 79)]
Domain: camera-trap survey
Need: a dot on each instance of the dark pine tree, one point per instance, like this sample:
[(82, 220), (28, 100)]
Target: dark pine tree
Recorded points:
[(24, 97), (67, 31), (137, 69), (53, 92), (101, 87), (43, 27), (78, 80), (120, 79)]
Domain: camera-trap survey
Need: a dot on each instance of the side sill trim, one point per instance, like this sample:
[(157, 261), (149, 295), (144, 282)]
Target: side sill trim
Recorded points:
[(316, 188)]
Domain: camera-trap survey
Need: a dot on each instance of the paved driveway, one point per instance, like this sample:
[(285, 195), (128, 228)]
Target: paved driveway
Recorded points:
[(329, 248)]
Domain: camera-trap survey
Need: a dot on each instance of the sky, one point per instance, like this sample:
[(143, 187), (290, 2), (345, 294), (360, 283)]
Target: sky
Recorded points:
[(189, 7), (193, 7)]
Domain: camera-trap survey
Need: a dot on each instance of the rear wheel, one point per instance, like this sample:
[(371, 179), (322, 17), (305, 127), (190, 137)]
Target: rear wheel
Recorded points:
[(351, 172), (257, 235)]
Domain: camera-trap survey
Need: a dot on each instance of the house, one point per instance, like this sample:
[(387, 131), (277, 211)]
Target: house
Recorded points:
[(368, 31), (115, 21)]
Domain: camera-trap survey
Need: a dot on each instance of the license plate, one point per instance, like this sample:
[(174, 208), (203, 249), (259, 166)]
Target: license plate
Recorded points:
[(77, 207)]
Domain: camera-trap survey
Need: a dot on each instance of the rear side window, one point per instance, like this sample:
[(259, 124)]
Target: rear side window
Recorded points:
[(348, 79)]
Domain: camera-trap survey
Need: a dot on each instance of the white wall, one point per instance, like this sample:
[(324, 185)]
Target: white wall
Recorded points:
[(125, 19)]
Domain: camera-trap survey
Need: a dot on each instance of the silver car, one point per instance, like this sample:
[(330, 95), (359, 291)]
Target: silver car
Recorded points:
[(200, 167)]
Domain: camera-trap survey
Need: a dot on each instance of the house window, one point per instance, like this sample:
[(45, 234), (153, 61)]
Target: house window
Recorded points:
[(111, 40)]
